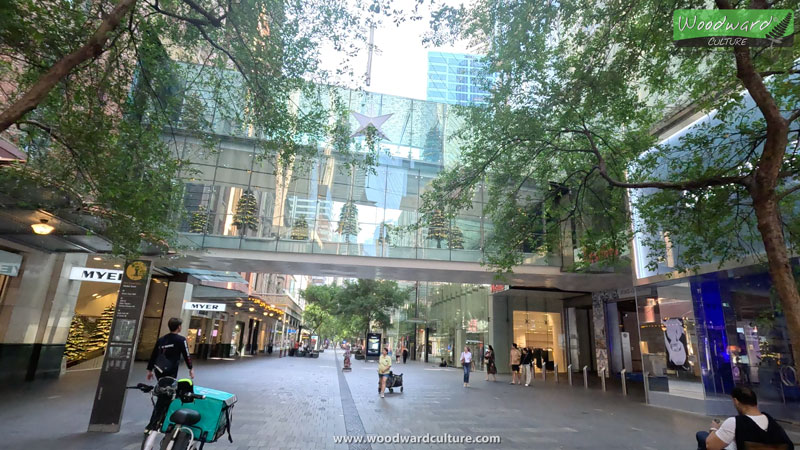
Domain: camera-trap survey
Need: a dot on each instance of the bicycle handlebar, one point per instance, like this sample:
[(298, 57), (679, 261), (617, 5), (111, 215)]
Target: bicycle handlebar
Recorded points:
[(142, 387)]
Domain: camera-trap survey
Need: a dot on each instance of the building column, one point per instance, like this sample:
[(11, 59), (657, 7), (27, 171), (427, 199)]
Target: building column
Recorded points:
[(35, 316), (599, 302), (178, 293)]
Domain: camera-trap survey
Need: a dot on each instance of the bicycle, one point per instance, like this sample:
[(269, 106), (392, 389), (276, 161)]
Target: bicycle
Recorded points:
[(191, 425), (168, 389)]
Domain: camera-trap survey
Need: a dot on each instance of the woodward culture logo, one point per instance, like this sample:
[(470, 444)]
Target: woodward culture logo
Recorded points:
[(733, 27)]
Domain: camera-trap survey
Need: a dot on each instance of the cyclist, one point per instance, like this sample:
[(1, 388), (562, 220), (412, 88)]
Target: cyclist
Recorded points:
[(165, 360)]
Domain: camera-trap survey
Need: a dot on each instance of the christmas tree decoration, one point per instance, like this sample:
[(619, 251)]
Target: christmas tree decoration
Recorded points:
[(76, 340), (246, 216), (348, 221), (300, 229), (200, 222), (456, 238), (99, 337), (438, 227), (384, 233)]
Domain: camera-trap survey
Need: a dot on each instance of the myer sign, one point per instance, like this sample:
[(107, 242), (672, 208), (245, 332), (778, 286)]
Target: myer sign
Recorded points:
[(215, 307), (101, 275)]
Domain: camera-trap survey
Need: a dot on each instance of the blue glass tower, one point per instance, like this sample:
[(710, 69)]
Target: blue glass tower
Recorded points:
[(456, 78)]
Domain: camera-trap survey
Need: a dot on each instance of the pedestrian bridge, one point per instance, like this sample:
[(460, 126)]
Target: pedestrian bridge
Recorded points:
[(241, 254)]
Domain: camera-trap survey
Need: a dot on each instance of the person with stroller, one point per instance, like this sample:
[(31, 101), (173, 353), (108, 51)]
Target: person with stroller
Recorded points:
[(384, 367)]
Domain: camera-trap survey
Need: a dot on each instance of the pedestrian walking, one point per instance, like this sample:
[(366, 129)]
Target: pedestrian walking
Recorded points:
[(491, 368), (466, 363), (527, 365), (384, 367), (405, 354), (399, 352), (514, 358)]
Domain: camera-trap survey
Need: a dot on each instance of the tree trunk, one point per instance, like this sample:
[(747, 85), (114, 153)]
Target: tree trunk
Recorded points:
[(780, 268), (42, 87)]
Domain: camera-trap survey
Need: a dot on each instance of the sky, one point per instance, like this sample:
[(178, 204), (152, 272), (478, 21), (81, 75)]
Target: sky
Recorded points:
[(400, 62)]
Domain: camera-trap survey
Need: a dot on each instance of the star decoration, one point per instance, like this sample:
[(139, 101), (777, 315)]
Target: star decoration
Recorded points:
[(365, 122)]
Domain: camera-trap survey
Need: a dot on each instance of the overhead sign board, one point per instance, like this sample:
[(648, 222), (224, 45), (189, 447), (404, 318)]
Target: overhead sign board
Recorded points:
[(92, 274), (213, 307), (10, 263)]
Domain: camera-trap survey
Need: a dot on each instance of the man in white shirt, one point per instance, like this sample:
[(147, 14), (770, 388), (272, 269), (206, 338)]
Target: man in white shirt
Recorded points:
[(751, 426)]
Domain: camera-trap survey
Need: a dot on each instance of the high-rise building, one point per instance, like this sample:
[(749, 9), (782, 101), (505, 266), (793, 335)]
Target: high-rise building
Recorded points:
[(456, 78)]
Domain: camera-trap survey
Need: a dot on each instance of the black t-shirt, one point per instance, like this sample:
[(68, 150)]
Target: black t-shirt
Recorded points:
[(167, 353)]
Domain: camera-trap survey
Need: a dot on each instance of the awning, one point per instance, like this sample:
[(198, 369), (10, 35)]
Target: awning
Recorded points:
[(9, 152), (216, 292), (213, 275)]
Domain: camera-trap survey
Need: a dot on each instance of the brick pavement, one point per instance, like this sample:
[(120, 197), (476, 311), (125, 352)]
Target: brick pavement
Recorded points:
[(300, 403)]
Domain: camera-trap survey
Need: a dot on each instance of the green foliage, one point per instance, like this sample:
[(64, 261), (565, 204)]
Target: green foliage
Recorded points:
[(385, 233), (246, 216), (102, 144), (314, 316), (370, 302), (580, 91), (300, 229), (348, 221)]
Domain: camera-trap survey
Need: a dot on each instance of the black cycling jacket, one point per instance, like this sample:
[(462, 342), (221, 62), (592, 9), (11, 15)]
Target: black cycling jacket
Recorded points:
[(173, 346)]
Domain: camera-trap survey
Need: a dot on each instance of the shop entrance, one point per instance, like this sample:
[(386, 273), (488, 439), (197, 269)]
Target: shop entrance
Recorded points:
[(541, 332)]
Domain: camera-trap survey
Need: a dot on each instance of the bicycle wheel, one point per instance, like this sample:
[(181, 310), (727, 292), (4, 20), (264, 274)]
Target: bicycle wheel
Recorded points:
[(181, 441), (150, 441)]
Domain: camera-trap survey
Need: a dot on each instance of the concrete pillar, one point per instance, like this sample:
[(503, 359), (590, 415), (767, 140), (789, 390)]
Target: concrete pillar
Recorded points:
[(177, 294), (599, 302), (500, 329), (36, 314), (614, 338)]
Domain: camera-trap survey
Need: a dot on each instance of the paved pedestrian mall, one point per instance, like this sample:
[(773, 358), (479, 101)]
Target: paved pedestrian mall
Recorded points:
[(303, 403)]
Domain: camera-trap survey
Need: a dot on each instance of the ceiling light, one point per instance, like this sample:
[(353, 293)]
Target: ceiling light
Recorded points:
[(118, 266), (42, 227), (252, 309), (238, 304), (97, 258), (272, 305), (271, 314), (265, 313)]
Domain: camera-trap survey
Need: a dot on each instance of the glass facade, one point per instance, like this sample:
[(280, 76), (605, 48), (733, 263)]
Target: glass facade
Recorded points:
[(237, 199), (457, 79), (705, 334)]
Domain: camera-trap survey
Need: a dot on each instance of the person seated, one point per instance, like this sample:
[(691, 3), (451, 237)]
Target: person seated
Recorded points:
[(750, 429)]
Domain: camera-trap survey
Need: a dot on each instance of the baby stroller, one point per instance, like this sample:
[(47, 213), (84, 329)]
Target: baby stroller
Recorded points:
[(394, 381)]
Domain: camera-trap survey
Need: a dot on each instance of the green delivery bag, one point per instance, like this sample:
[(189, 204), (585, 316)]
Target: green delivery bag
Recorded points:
[(215, 413)]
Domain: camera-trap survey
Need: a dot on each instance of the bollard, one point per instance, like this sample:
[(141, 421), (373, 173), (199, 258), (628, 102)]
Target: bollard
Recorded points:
[(646, 387), (569, 374), (555, 371), (624, 382), (603, 379), (585, 377)]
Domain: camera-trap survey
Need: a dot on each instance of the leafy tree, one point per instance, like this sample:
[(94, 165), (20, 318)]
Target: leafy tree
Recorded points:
[(579, 96), (369, 302), (348, 221), (90, 88), (314, 316), (438, 226), (246, 216), (300, 229), (200, 222)]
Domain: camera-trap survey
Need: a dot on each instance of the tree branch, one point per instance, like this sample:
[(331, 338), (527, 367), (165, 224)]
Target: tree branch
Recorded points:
[(42, 87)]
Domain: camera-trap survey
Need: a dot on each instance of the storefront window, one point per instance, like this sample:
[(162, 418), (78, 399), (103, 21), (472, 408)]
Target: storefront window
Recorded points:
[(669, 343), (541, 332)]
